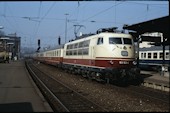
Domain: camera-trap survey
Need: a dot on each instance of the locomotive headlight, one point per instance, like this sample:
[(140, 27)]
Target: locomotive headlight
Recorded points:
[(124, 47), (134, 62)]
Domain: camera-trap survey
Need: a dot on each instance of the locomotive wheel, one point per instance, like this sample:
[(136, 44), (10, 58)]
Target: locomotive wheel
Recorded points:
[(91, 75), (83, 73)]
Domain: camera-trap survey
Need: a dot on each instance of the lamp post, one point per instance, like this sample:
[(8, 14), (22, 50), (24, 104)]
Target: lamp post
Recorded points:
[(1, 33), (66, 27)]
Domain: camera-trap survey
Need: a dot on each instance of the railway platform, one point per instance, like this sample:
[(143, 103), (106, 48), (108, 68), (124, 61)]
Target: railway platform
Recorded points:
[(18, 92), (156, 80)]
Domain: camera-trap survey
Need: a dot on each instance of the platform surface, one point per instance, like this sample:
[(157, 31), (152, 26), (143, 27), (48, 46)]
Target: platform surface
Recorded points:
[(156, 77), (18, 93)]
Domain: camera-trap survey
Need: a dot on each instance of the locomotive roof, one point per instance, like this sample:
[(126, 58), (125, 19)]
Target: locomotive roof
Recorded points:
[(91, 35), (154, 48), (57, 47)]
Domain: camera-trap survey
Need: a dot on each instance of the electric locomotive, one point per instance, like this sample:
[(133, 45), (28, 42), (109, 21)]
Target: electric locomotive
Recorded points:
[(104, 56)]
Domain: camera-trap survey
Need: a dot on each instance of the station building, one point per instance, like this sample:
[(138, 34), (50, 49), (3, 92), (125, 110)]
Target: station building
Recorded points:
[(11, 44)]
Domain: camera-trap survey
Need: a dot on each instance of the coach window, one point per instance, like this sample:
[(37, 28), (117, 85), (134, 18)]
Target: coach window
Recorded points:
[(161, 55), (67, 53), (51, 54), (79, 51), (76, 45), (75, 52), (57, 53), (86, 43), (85, 51), (141, 55), (155, 55), (71, 46), (149, 55), (68, 46), (167, 56), (80, 44), (70, 53), (144, 55), (100, 41)]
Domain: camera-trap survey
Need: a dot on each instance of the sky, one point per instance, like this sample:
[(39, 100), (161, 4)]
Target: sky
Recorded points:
[(46, 20)]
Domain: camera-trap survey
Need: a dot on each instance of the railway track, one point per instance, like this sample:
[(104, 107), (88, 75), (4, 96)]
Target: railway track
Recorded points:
[(150, 93), (136, 93), (61, 97)]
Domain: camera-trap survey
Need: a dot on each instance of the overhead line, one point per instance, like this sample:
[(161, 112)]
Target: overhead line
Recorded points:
[(102, 11), (99, 13), (39, 11), (144, 3), (48, 11), (44, 17)]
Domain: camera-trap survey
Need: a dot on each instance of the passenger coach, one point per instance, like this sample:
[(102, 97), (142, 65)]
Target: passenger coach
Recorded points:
[(152, 58)]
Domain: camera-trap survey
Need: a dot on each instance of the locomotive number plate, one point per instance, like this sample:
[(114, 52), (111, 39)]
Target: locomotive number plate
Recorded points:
[(123, 62), (124, 53)]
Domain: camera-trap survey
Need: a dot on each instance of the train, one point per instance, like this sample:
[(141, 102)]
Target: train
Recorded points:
[(105, 56), (152, 58)]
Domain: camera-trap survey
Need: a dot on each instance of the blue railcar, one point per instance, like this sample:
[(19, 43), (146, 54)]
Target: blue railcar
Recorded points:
[(152, 58)]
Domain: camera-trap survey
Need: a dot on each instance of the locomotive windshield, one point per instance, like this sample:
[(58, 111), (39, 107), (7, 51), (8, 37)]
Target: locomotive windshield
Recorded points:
[(114, 40), (127, 41)]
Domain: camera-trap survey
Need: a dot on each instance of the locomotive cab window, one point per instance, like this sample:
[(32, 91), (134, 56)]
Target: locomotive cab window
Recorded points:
[(113, 40), (127, 41), (100, 41)]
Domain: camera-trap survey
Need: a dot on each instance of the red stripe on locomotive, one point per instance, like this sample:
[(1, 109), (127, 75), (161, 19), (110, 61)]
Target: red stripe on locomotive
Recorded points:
[(101, 63)]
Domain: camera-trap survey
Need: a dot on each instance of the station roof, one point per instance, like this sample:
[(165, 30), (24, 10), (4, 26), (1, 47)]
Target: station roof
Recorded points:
[(155, 25), (154, 48)]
